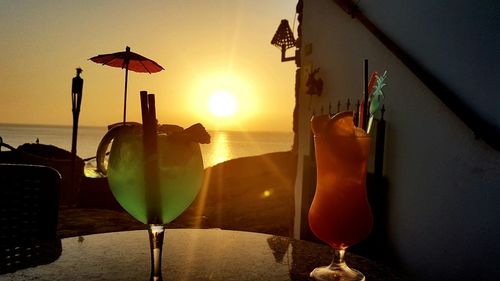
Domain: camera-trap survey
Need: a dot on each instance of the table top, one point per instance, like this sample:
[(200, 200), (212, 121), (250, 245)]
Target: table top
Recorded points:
[(193, 254)]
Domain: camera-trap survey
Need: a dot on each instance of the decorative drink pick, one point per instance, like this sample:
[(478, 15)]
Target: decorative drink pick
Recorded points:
[(154, 172), (376, 97), (340, 214)]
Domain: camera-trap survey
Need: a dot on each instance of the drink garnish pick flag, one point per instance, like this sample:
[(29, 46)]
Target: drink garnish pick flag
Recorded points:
[(376, 98)]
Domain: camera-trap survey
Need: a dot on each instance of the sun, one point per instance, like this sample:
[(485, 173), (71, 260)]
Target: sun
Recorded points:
[(222, 103), (222, 100)]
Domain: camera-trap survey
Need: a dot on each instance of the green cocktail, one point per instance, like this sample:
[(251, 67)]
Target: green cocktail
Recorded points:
[(180, 176), (154, 174)]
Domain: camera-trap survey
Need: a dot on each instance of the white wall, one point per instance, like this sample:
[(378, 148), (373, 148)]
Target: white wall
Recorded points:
[(457, 40), (444, 185)]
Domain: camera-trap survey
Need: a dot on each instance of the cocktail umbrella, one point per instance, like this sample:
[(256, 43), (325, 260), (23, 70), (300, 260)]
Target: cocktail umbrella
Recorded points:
[(130, 61)]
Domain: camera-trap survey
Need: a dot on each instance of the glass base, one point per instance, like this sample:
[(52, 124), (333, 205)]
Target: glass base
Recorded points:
[(336, 272)]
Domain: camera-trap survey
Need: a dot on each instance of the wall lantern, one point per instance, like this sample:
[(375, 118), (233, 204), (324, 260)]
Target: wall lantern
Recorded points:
[(283, 39)]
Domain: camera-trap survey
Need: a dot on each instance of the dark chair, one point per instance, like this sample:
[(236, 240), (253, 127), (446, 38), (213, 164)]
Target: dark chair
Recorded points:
[(29, 205)]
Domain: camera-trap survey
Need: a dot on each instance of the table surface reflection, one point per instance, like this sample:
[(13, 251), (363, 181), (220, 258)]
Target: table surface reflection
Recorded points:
[(192, 254)]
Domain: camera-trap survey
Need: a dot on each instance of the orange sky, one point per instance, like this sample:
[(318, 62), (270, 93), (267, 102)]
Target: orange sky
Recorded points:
[(204, 46)]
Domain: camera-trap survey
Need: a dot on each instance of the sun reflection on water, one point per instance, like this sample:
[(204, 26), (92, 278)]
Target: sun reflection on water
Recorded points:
[(227, 145), (220, 150)]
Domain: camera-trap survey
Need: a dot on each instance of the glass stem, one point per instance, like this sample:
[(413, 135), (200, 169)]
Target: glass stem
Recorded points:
[(156, 233), (338, 257)]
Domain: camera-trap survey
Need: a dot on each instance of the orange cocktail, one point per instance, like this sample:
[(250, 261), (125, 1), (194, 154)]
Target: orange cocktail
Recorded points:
[(340, 214)]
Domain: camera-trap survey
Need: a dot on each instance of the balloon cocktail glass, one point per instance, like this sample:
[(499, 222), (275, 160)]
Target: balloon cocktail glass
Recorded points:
[(340, 214), (155, 173)]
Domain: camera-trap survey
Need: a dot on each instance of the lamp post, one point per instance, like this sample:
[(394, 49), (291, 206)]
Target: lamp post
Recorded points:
[(76, 101)]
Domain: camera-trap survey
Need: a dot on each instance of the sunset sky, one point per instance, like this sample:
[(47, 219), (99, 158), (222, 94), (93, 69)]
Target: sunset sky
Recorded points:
[(219, 47)]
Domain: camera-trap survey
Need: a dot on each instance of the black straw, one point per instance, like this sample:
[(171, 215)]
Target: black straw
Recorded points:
[(365, 108)]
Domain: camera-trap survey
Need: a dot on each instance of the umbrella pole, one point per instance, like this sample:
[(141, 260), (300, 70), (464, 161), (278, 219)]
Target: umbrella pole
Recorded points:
[(125, 96)]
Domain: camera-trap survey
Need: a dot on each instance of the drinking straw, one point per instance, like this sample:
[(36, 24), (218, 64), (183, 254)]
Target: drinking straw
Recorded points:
[(361, 112), (365, 99), (150, 154)]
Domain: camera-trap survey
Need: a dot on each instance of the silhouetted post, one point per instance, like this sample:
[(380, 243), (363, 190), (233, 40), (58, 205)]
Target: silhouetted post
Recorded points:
[(76, 101)]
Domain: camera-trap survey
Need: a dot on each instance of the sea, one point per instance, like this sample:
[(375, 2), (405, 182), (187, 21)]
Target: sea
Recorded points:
[(224, 145)]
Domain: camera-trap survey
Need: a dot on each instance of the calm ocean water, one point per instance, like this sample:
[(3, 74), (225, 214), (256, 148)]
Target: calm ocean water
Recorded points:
[(225, 145)]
